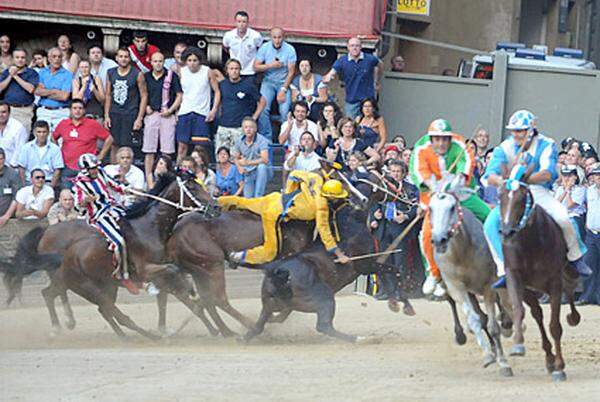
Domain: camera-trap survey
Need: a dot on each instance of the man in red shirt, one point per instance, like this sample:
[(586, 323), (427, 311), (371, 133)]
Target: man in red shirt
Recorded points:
[(80, 135), (141, 51)]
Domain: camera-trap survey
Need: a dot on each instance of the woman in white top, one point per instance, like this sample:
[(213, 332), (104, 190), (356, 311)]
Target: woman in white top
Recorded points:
[(195, 112), (310, 88), (69, 57)]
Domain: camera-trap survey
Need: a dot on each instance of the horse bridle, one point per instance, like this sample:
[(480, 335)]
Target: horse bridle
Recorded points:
[(201, 207), (459, 213), (386, 191), (513, 185)]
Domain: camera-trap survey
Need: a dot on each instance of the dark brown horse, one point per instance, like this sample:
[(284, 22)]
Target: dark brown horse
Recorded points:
[(86, 266), (535, 257)]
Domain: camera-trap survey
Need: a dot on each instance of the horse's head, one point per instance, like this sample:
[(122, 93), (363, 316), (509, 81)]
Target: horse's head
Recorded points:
[(187, 192), (357, 197), (445, 215), (516, 205)]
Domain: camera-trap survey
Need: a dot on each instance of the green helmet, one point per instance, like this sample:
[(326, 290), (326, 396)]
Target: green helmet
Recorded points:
[(439, 128)]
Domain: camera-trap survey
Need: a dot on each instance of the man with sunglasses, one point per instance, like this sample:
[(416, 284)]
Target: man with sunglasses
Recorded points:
[(34, 201)]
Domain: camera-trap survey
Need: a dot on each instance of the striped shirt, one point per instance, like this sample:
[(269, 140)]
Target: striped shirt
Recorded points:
[(101, 186)]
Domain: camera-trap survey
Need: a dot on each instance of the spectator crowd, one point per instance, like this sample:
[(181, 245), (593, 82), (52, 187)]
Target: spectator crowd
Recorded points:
[(56, 105)]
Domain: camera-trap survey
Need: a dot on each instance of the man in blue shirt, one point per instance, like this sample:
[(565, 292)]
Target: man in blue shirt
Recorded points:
[(360, 72), (41, 154), (54, 90), (251, 157), (277, 60), (17, 85), (239, 98), (542, 156)]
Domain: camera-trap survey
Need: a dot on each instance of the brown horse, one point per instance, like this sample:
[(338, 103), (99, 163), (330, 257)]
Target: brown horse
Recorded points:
[(86, 267), (536, 261)]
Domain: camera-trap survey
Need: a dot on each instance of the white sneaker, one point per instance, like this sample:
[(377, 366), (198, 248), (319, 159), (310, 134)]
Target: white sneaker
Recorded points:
[(236, 256), (439, 290), (151, 289), (430, 285)]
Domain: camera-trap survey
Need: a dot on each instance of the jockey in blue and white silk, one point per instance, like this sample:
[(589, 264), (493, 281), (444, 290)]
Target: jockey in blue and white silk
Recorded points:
[(543, 155)]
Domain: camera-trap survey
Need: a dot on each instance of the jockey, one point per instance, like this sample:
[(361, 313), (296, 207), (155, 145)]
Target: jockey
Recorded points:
[(542, 156), (306, 197), (438, 153), (92, 195)]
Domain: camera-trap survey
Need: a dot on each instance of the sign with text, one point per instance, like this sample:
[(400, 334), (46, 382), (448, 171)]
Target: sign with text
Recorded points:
[(414, 7)]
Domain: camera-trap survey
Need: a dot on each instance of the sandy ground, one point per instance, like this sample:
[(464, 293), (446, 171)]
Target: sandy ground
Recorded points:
[(406, 359)]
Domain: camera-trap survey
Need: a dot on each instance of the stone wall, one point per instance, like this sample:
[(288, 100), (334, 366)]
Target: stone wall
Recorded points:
[(11, 233)]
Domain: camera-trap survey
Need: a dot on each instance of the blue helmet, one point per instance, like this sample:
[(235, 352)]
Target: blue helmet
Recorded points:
[(521, 120)]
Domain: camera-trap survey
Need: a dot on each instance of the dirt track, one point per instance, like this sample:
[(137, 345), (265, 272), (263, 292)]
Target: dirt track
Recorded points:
[(407, 358)]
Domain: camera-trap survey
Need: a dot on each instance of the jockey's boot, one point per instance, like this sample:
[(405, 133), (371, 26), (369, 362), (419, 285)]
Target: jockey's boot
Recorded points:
[(429, 285), (581, 267), (439, 291), (235, 258), (151, 289), (500, 283), (130, 286)]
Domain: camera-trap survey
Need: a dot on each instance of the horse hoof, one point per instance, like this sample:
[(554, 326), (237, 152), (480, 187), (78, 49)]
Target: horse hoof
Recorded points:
[(393, 305), (460, 338), (70, 325), (518, 350), (573, 319), (167, 332), (54, 332), (506, 332), (559, 376), (488, 360), (409, 310), (506, 372)]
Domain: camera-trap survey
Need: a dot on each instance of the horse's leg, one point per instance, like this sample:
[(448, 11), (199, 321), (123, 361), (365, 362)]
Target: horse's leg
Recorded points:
[(515, 292), (325, 307), (50, 294), (219, 294), (538, 315), (59, 290), (569, 285), (204, 288), (64, 299), (484, 319), (556, 330), (161, 302), (280, 317), (259, 327), (489, 298), (506, 322), (459, 333), (197, 308)]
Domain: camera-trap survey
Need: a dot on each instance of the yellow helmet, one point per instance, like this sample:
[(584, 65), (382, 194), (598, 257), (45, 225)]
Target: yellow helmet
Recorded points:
[(333, 189)]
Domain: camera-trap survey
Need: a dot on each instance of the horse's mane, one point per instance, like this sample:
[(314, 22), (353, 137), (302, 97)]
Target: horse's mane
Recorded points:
[(141, 207)]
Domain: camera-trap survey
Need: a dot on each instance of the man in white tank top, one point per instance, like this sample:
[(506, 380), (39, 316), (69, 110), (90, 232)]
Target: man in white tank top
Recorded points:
[(195, 112)]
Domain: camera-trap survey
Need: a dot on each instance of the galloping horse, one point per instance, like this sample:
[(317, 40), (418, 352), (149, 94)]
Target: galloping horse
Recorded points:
[(467, 267), (86, 265), (535, 257)]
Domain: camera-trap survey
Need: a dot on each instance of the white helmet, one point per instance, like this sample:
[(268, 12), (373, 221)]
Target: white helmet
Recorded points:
[(87, 161), (521, 120)]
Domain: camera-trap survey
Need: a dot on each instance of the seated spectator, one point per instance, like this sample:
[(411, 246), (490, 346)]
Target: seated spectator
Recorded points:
[(229, 180), (90, 90), (17, 85), (398, 64), (64, 210), (70, 59), (80, 135), (140, 51), (327, 124), (560, 161), (399, 141), (164, 98), (251, 156), (572, 195), (162, 165), (188, 163), (99, 65), (391, 152), (128, 174), (54, 90), (195, 112), (9, 185), (5, 55), (591, 286), (357, 167), (242, 43), (406, 153), (239, 98), (589, 162), (348, 143), (175, 63), (303, 157), (12, 135), (371, 125), (203, 172), (296, 124), (309, 87), (34, 201), (42, 154)]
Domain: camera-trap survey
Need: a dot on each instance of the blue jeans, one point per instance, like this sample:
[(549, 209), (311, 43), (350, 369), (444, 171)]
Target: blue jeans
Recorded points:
[(591, 286), (269, 90), (255, 182), (352, 109)]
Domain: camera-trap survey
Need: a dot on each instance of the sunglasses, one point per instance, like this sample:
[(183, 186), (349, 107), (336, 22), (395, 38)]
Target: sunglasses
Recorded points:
[(39, 177)]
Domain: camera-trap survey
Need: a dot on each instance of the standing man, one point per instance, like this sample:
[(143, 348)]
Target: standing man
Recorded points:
[(591, 286), (251, 157), (239, 98), (41, 154), (9, 185), (176, 62), (12, 135), (361, 73), (99, 65), (17, 85), (242, 43), (54, 90), (80, 135), (277, 60), (164, 98), (125, 104), (140, 51)]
